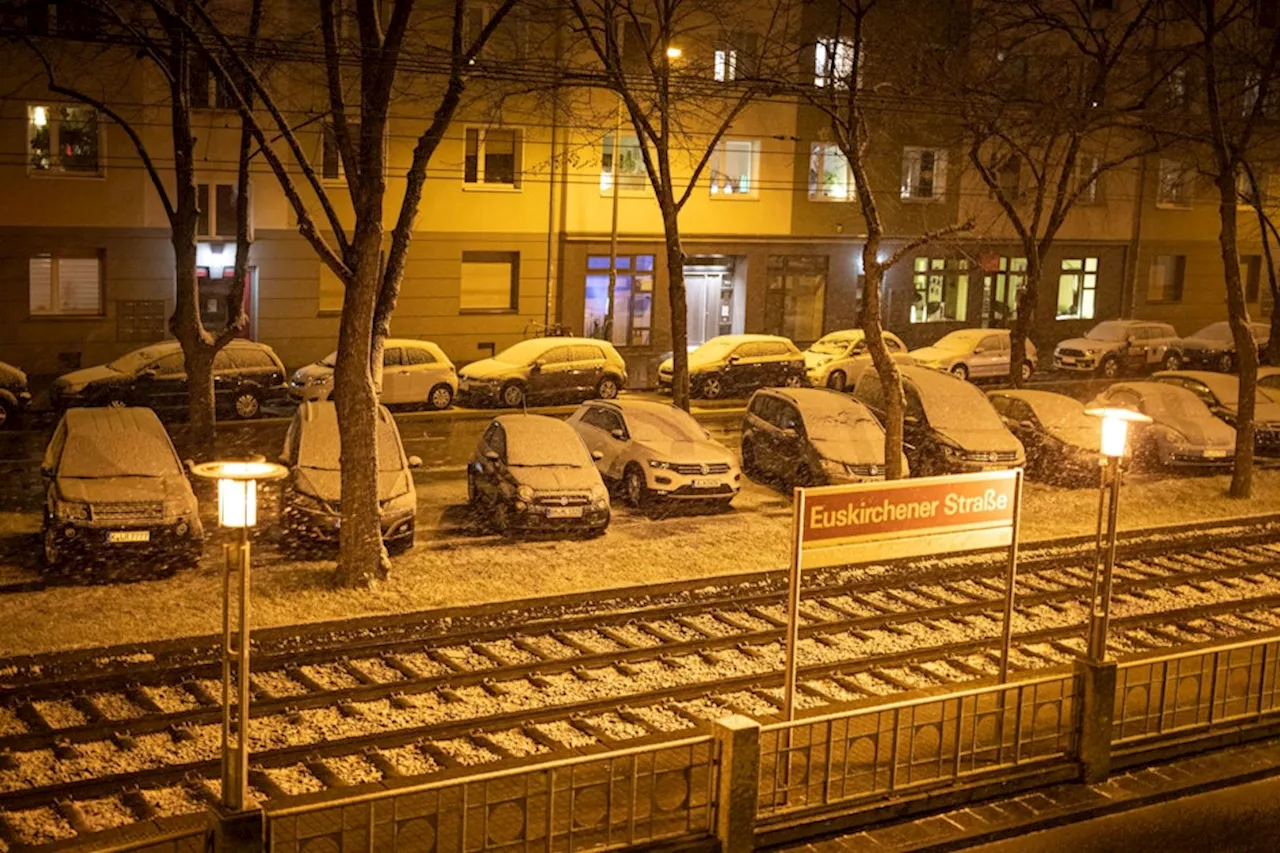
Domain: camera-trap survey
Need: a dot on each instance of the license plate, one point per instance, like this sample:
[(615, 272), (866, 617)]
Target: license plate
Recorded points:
[(705, 484), (564, 512), (129, 536), (1068, 360), (1215, 454)]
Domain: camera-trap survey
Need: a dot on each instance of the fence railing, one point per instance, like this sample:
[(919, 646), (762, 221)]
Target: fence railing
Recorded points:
[(590, 803), (887, 749), (1196, 690)]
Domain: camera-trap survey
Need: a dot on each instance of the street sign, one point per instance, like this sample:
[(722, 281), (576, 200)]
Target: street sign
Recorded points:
[(866, 522)]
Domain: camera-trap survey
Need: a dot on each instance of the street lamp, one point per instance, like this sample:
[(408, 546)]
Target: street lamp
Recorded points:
[(1114, 445), (237, 508)]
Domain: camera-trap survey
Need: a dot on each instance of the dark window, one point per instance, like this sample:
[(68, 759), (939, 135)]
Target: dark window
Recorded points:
[(914, 407), (170, 365), (418, 355), (557, 355), (601, 419), (1164, 283), (587, 353), (493, 156), (796, 296), (393, 357)]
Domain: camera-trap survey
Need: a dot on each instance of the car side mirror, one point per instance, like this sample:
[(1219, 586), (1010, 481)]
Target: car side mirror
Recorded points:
[(733, 359), (46, 472), (536, 367), (149, 373), (415, 461), (620, 435), (596, 455), (492, 455)]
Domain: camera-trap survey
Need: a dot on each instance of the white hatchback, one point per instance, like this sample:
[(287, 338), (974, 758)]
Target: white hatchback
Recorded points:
[(413, 371)]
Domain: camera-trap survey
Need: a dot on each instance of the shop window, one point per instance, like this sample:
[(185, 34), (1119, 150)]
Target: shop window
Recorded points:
[(1077, 289), (631, 320), (941, 290)]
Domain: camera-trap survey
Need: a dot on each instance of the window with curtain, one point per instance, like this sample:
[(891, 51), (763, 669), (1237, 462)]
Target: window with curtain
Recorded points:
[(65, 286), (489, 281), (1077, 289)]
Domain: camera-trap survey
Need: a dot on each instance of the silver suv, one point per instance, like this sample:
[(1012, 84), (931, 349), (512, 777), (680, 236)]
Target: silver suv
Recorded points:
[(1114, 347)]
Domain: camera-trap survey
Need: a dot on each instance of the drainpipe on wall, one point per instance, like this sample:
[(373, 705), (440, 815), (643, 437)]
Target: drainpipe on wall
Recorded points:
[(1129, 286)]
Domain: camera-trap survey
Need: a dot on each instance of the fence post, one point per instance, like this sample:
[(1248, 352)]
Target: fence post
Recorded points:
[(238, 832), (739, 788), (1094, 720)]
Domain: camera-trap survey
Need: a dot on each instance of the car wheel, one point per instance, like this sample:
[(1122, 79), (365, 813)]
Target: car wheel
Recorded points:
[(52, 550), (710, 388), (247, 405), (607, 388), (635, 488), (1110, 368), (1172, 361), (837, 380), (501, 518), (793, 381), (1027, 370), (960, 371), (1226, 363), (512, 395), (404, 543), (441, 397)]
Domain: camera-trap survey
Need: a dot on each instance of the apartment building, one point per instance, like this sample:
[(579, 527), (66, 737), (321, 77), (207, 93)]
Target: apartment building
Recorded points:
[(531, 207)]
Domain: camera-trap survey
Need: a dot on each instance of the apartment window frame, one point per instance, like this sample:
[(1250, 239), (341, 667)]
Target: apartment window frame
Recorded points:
[(945, 278), (1008, 281), (820, 155), (1080, 276), (55, 311), (217, 207), (914, 177), (725, 65), (208, 91), (1171, 287), (718, 181), (490, 258), (613, 152), (833, 62), (1090, 190), (475, 171), (1174, 185), (54, 115)]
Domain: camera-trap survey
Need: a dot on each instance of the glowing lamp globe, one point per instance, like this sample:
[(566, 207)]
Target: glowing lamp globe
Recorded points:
[(238, 488), (1115, 428)]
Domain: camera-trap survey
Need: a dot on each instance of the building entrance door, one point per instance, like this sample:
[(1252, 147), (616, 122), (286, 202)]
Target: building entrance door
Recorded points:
[(710, 291)]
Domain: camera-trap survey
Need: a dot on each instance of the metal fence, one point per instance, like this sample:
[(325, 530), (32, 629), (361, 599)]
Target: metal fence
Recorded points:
[(185, 839), (601, 802), (875, 752), (1196, 691)]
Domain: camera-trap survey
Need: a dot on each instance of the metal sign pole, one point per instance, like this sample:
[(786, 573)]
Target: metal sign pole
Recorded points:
[(793, 603), (1011, 577)]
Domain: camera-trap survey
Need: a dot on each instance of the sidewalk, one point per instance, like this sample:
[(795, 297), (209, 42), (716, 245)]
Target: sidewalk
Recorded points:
[(1063, 804)]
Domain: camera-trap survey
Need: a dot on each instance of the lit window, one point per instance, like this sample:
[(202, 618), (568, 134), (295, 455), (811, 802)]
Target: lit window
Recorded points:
[(1174, 187), (833, 63), (1077, 288), (633, 288), (493, 157), (924, 173), (732, 169), (941, 290), (726, 67), (830, 176), (63, 139), (621, 158), (65, 286), (490, 281), (1009, 280)]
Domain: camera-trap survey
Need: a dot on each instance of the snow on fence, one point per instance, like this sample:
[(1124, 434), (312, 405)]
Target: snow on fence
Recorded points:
[(1196, 691), (877, 752), (599, 802)]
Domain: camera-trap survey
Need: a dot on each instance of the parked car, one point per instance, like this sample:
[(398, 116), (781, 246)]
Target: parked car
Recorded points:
[(1183, 432), (974, 354), (1214, 347), (739, 364), (949, 425), (246, 376), (313, 493), (113, 482), (837, 359), (544, 369), (1221, 393), (1114, 347), (811, 437), (533, 473), (656, 451), (1269, 381), (14, 396), (1062, 443), (412, 372)]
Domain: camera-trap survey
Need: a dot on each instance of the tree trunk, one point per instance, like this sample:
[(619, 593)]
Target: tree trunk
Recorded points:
[(362, 559), (186, 326), (1246, 348), (886, 367), (1020, 332), (679, 308)]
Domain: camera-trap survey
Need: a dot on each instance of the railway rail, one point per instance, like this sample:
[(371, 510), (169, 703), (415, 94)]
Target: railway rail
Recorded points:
[(93, 740)]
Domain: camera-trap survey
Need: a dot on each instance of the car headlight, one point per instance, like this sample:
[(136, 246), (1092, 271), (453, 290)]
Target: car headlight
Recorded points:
[(72, 510), (525, 493), (599, 497), (952, 452), (658, 463), (834, 466)]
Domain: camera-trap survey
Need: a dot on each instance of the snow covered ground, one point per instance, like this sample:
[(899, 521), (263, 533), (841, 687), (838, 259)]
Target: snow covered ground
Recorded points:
[(456, 562)]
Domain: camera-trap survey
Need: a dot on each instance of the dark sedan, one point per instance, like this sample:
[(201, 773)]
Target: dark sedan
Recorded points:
[(14, 395), (1214, 347), (1221, 393), (1061, 441)]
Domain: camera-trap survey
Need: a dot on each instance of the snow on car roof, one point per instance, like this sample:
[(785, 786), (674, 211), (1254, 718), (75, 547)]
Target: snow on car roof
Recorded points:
[(111, 442), (320, 441), (541, 440), (529, 349), (742, 339), (1046, 403), (818, 401)]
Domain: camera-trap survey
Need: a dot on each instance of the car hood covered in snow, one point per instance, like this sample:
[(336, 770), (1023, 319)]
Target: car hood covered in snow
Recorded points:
[(676, 450), (936, 355), (103, 490), (816, 359), (486, 368), (314, 371), (989, 440), (12, 377), (1208, 344), (326, 484), (1086, 344), (81, 378), (555, 478), (861, 450)]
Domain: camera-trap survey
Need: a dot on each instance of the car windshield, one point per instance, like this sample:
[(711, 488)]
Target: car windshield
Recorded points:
[(556, 446), (131, 362), (1215, 332), (962, 341), (1109, 331), (1059, 412), (319, 445), (957, 405), (525, 352), (100, 455), (1175, 404), (330, 360), (674, 425), (834, 344), (842, 424)]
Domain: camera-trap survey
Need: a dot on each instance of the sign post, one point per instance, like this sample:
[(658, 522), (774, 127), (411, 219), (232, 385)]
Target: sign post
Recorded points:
[(869, 522)]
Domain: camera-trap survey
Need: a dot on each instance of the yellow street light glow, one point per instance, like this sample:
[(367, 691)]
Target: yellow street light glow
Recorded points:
[(238, 488), (1115, 428), (674, 53)]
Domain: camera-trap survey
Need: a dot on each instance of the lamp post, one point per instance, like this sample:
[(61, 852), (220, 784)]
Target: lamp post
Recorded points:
[(237, 508), (1115, 437)]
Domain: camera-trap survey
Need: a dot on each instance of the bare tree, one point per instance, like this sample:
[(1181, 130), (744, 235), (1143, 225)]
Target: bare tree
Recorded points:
[(379, 55), (1051, 95), (854, 112), (679, 118)]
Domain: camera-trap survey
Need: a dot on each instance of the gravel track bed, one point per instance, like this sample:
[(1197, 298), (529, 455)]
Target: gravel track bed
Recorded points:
[(422, 664), (295, 779), (410, 760), (278, 683), (105, 813), (379, 670), (173, 800), (10, 724), (353, 769), (518, 743), (510, 651), (60, 714), (564, 732), (465, 752), (171, 700), (116, 706), (593, 640), (39, 826), (661, 719)]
